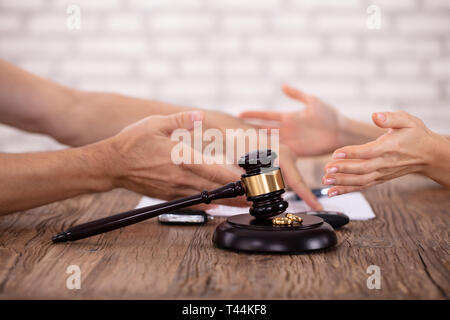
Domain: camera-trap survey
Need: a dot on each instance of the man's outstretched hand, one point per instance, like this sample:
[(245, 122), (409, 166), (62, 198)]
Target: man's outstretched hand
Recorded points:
[(308, 132)]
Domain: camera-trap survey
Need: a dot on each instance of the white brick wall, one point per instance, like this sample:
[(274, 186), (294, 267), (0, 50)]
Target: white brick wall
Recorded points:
[(234, 54)]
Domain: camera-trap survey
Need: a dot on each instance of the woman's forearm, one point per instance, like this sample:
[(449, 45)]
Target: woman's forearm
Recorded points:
[(437, 166), (34, 179)]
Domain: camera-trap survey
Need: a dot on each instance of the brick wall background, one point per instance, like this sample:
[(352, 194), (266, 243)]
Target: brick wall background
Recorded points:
[(233, 55)]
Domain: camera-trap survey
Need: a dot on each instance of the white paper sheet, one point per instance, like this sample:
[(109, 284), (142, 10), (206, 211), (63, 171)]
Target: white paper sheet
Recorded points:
[(352, 204)]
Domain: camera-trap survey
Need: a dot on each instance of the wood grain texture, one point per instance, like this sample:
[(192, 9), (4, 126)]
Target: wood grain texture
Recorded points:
[(409, 240)]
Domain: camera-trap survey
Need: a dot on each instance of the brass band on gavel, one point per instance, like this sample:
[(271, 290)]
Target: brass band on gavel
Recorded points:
[(263, 183)]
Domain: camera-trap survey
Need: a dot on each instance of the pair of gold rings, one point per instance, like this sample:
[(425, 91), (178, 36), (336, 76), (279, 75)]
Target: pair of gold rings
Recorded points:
[(289, 219)]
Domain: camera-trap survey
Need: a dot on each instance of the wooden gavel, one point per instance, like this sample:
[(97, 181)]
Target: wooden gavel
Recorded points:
[(262, 183)]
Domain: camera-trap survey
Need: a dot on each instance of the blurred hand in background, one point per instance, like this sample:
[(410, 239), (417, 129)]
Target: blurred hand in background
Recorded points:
[(312, 131)]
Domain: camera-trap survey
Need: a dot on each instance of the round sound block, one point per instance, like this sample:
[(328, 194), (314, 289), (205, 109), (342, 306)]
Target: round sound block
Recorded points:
[(245, 233)]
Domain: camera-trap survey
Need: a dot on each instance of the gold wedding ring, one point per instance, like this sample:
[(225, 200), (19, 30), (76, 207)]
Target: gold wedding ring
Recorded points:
[(288, 220), (282, 221), (263, 183), (294, 217)]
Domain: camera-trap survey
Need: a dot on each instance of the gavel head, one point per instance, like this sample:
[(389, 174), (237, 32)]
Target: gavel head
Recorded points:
[(263, 184)]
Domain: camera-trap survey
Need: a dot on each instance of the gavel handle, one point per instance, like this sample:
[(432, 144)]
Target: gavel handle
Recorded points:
[(123, 219)]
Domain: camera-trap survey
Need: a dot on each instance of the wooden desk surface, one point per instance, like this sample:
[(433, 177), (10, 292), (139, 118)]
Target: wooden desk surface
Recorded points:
[(409, 241)]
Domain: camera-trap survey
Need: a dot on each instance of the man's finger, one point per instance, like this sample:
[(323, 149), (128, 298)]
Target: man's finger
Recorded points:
[(204, 207), (220, 174), (295, 181), (235, 202), (295, 94), (182, 120)]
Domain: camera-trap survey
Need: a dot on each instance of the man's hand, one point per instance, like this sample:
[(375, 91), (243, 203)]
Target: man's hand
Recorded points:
[(140, 160), (315, 130), (311, 131)]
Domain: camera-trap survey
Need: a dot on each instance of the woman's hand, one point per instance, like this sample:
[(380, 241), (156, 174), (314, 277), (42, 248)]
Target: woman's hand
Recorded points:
[(407, 147), (312, 131), (140, 160)]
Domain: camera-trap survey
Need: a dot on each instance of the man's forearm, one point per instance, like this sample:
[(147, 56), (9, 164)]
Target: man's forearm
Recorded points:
[(97, 115), (70, 116), (29, 102), (34, 179)]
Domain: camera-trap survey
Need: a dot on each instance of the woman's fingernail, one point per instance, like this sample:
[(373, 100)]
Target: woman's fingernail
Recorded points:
[(339, 155), (332, 194), (196, 116), (381, 116), (332, 170), (330, 181)]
